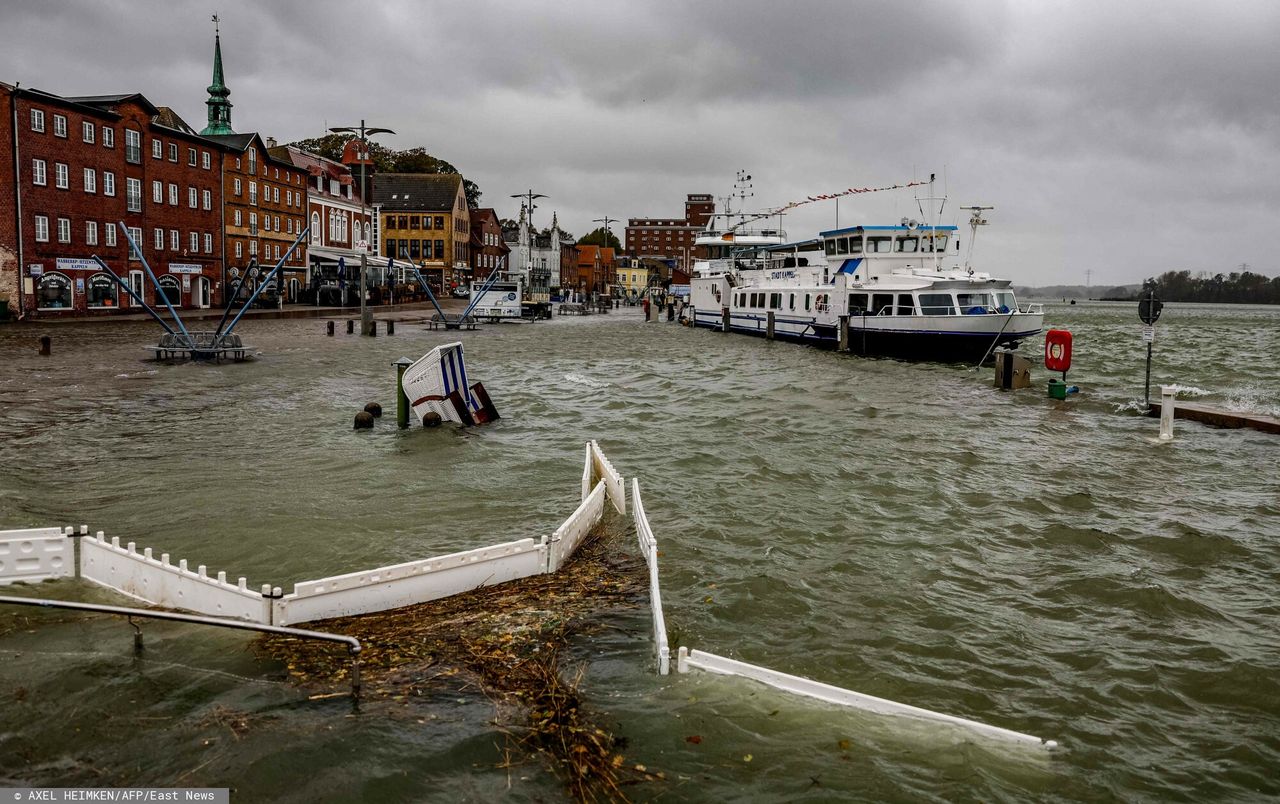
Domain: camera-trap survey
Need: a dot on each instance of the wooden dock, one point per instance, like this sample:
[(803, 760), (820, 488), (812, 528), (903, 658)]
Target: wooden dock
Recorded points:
[(1217, 417)]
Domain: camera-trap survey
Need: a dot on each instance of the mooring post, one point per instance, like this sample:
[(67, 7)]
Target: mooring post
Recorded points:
[(351, 326), (1166, 412), (330, 329), (402, 401), (373, 328), (768, 327), (724, 319), (46, 345), (844, 333), (391, 326)]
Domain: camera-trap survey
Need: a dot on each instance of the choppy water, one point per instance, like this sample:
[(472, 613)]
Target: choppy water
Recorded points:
[(903, 530)]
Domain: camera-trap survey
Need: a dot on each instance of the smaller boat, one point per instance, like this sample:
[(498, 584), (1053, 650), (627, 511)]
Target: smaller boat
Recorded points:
[(437, 383)]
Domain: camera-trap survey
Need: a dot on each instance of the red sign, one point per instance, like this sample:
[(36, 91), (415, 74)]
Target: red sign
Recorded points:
[(1057, 350)]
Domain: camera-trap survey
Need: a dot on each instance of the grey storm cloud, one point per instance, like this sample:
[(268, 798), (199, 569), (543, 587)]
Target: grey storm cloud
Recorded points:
[(1121, 138)]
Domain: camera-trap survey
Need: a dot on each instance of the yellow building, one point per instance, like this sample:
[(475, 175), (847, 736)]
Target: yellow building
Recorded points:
[(423, 219), (633, 277)]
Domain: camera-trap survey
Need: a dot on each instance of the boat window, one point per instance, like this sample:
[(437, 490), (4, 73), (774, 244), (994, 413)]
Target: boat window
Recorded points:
[(879, 245), (842, 245), (791, 302), (936, 304), (855, 244), (831, 248), (908, 244), (880, 301), (806, 301), (940, 242), (905, 304), (857, 303), (973, 303), (1005, 303)]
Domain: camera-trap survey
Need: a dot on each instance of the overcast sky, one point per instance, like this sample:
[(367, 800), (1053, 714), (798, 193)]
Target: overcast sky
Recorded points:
[(1127, 137)]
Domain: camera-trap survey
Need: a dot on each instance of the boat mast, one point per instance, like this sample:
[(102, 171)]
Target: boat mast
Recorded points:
[(975, 220)]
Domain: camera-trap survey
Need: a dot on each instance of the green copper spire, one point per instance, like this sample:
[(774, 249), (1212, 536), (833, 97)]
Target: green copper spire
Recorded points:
[(219, 106)]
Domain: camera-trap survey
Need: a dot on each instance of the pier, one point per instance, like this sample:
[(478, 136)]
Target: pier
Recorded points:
[(1218, 417)]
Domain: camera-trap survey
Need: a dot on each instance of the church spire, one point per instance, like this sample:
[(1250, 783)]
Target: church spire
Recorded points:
[(219, 106)]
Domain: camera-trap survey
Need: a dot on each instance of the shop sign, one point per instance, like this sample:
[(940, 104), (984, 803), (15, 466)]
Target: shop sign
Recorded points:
[(77, 264), (186, 282), (35, 269), (184, 268)]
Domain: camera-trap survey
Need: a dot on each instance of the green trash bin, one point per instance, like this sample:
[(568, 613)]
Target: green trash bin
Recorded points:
[(1057, 389)]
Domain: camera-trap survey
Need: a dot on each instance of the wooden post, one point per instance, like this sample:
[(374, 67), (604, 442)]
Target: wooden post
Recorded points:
[(373, 328), (46, 345), (402, 401), (768, 331), (351, 326), (391, 327), (844, 333), (724, 319), (330, 328)]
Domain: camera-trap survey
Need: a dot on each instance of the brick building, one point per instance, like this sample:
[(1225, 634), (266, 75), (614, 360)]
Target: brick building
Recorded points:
[(489, 252), (424, 218), (596, 270), (670, 238), (83, 165)]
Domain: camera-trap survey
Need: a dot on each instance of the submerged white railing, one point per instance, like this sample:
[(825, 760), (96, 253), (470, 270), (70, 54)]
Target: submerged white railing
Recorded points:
[(38, 554), (700, 660)]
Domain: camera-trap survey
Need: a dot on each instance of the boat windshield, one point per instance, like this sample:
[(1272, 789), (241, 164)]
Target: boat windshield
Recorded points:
[(1005, 303)]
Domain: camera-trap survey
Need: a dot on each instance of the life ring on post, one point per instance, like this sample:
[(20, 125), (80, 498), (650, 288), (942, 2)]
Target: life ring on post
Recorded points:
[(1057, 350)]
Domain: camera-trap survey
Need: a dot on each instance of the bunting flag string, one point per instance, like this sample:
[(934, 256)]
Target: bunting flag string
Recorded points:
[(827, 197)]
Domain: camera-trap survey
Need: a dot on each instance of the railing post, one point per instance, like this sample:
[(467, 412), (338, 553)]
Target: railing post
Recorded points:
[(1167, 406), (402, 400)]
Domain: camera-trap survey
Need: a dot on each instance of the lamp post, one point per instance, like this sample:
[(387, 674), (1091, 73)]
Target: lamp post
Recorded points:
[(364, 132)]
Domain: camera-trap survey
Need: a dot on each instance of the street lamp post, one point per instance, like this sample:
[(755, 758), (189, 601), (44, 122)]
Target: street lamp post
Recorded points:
[(364, 132)]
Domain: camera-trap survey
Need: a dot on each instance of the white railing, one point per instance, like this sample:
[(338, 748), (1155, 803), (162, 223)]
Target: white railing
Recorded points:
[(30, 555), (649, 548)]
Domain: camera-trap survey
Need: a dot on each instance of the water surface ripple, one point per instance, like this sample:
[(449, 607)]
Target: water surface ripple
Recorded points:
[(903, 530)]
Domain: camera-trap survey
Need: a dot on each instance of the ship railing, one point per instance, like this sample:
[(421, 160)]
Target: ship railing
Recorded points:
[(822, 307)]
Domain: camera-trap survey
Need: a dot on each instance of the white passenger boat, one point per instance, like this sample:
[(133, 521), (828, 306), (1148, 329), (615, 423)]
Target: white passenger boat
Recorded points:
[(901, 289)]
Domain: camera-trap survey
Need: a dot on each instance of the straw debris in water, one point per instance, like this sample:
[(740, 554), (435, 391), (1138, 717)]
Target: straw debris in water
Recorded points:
[(507, 641)]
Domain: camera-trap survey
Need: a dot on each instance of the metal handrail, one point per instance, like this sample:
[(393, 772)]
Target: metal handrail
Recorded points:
[(353, 644)]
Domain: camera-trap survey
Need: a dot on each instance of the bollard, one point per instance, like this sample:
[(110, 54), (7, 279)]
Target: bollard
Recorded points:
[(330, 328), (1167, 405), (351, 326), (391, 327), (768, 325), (844, 333), (46, 345), (431, 419), (402, 400), (724, 319), (373, 329), (364, 421), (374, 410)]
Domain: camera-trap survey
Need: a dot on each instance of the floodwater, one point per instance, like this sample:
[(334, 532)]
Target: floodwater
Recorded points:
[(901, 530)]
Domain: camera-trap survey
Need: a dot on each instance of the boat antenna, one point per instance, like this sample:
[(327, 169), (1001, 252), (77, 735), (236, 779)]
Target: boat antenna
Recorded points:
[(742, 191), (975, 220)]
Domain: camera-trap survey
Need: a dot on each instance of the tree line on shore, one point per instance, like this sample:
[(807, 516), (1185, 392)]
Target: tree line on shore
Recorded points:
[(1237, 287)]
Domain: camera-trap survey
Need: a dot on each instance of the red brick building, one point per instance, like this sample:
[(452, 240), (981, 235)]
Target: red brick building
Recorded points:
[(597, 269), (489, 252), (264, 209), (83, 165), (670, 238)]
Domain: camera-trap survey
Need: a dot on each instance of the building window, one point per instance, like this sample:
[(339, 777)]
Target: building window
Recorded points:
[(157, 192), (61, 176), (169, 288), (87, 131), (91, 233), (53, 292), (239, 250), (159, 239), (175, 240), (253, 225), (208, 243), (207, 198), (253, 193), (173, 194), (239, 220), (111, 234), (192, 199), (253, 161), (439, 221), (157, 149), (135, 232), (237, 185), (108, 183), (102, 291), (38, 175), (90, 180), (64, 230), (108, 137), (132, 146), (37, 120), (42, 229), (275, 195), (59, 125), (195, 242), (191, 157), (204, 159), (173, 152), (439, 249), (315, 227), (253, 248)]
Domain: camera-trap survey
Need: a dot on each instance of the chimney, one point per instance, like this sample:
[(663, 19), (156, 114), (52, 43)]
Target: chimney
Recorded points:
[(271, 142)]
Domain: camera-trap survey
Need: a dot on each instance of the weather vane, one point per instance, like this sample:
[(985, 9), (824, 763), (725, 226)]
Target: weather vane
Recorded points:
[(215, 25)]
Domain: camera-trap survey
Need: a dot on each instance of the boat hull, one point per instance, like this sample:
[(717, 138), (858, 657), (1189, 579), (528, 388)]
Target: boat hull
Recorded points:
[(900, 340)]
